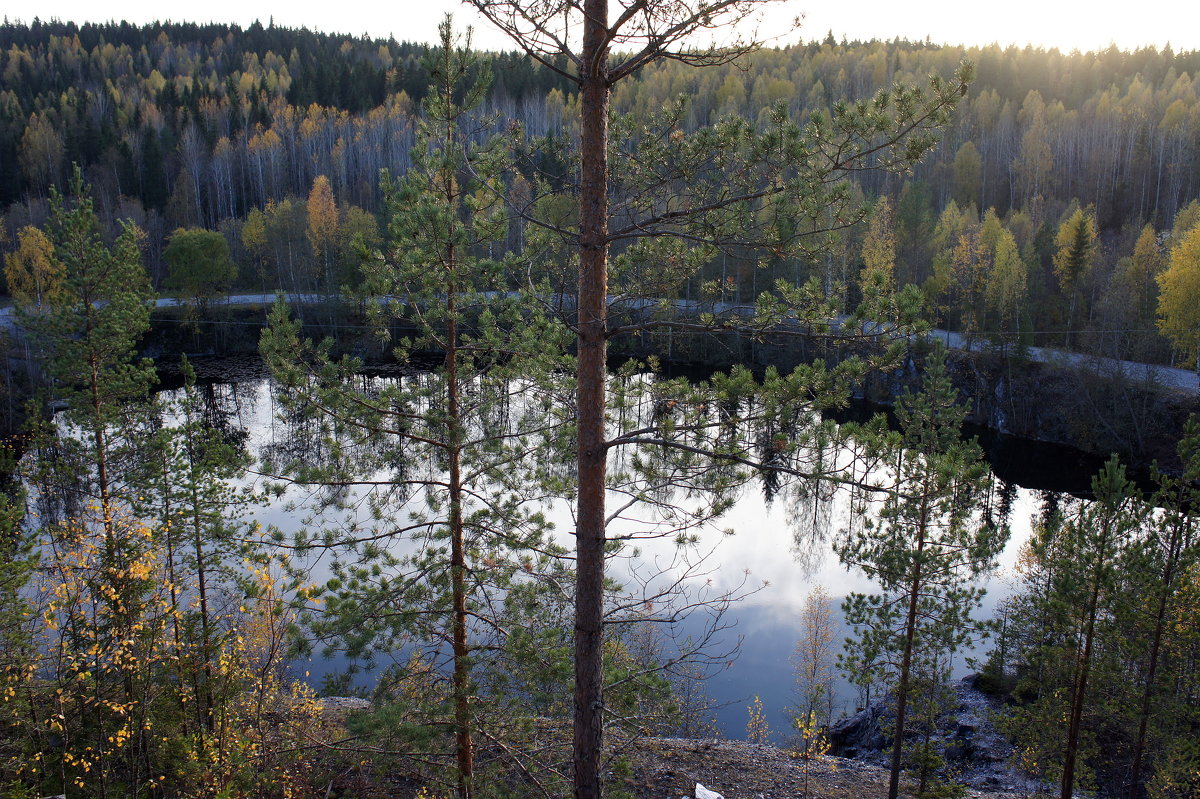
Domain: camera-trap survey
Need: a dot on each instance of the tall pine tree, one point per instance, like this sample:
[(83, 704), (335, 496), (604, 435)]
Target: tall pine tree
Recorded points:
[(449, 459), (927, 547)]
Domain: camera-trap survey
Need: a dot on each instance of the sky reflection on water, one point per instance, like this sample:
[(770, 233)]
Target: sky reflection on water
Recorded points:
[(781, 548)]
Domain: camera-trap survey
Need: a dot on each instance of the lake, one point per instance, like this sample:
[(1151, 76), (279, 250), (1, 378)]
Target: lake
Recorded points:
[(780, 547)]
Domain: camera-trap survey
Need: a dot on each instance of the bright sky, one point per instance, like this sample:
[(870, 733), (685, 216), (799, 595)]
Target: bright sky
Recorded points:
[(1048, 23)]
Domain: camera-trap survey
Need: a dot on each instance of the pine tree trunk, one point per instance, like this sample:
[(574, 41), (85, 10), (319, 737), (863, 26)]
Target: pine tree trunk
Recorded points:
[(169, 533), (464, 746), (1135, 776), (910, 629), (102, 481), (1160, 621), (590, 398), (207, 703), (1081, 683)]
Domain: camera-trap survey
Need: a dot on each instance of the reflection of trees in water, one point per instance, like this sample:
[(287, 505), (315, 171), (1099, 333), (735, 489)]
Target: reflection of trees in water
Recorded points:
[(391, 466), (383, 525), (55, 469), (658, 491), (998, 512), (59, 469), (813, 506), (810, 514), (228, 409)]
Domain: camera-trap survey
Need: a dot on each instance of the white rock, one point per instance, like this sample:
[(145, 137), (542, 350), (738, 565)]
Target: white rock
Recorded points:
[(705, 793), (335, 705)]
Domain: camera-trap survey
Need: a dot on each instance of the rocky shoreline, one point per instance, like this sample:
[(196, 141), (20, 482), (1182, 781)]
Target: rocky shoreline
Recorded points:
[(978, 754), (674, 768)]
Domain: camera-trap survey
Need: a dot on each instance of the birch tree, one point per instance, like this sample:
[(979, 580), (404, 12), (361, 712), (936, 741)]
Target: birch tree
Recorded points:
[(1179, 287), (33, 274)]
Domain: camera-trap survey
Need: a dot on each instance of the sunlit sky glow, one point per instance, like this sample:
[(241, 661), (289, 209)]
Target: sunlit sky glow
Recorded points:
[(1045, 23)]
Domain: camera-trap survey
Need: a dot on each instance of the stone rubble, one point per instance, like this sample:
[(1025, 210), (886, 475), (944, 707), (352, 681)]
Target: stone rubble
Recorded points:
[(978, 753)]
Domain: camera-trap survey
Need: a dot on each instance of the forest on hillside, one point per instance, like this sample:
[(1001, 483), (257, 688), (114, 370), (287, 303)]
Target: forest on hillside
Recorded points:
[(214, 127), (500, 629)]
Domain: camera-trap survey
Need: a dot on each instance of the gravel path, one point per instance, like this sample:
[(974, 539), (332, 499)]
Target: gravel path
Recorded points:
[(669, 768)]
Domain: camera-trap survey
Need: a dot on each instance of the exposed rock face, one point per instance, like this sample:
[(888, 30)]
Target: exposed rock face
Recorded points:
[(977, 753), (981, 753), (859, 734)]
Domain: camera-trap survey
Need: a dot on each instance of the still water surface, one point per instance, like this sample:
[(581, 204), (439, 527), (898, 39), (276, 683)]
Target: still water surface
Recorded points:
[(780, 547)]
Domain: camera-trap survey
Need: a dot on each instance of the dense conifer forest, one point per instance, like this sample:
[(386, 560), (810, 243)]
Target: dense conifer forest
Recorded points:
[(456, 205)]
